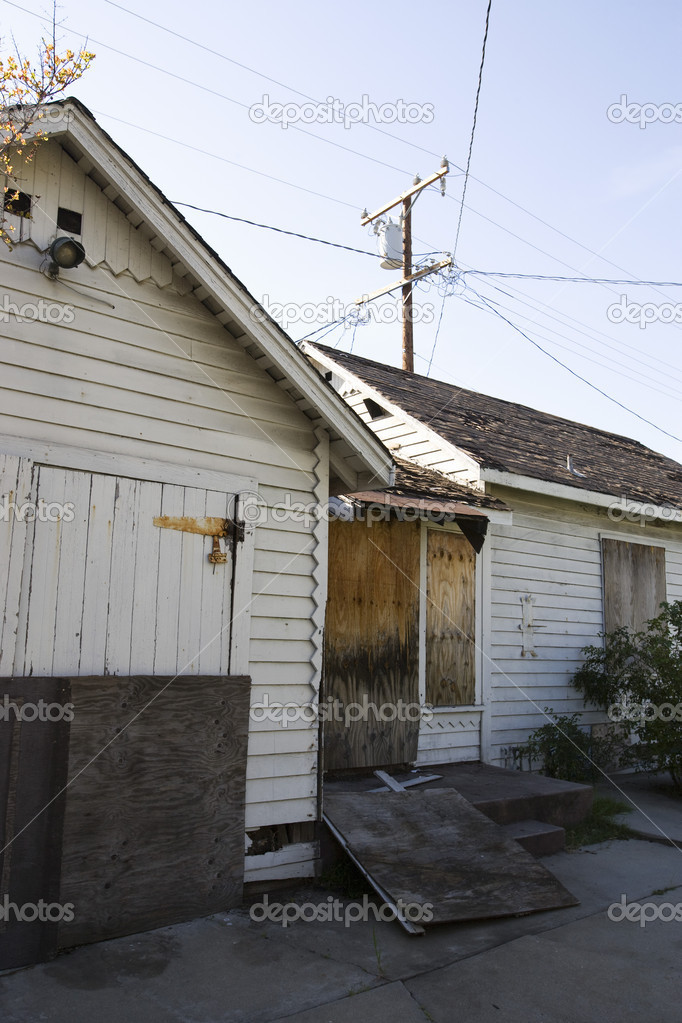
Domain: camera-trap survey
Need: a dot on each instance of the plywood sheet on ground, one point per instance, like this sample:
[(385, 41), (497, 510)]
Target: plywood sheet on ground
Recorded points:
[(432, 847)]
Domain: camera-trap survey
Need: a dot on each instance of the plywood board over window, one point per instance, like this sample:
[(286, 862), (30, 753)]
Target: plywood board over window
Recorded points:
[(634, 583), (450, 620)]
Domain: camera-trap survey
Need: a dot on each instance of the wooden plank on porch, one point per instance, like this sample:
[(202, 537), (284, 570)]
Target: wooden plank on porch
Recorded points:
[(432, 848)]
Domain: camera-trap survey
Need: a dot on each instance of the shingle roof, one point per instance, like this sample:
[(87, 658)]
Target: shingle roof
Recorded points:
[(412, 480), (515, 439)]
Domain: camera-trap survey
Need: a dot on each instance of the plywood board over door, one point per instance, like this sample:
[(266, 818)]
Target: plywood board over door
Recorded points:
[(34, 743), (154, 816), (372, 637), (450, 620)]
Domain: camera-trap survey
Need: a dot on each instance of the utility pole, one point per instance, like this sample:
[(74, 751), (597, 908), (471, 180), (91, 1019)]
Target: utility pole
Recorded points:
[(407, 199), (408, 321)]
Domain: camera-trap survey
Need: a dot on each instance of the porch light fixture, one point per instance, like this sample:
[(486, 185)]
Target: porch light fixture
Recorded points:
[(65, 254)]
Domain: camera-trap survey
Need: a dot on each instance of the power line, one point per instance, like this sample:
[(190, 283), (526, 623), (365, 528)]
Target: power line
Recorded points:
[(575, 280), (473, 128), (205, 88), (575, 374), (223, 159), (308, 133), (608, 365), (590, 333), (373, 127), (435, 340), (603, 281), (279, 230)]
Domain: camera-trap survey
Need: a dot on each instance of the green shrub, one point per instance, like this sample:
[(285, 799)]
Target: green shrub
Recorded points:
[(637, 677), (563, 748)]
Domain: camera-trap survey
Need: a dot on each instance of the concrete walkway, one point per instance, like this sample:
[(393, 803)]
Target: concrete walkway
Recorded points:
[(573, 965), (654, 811)]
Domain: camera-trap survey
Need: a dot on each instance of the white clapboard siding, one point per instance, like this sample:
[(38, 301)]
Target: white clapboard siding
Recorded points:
[(403, 435), (111, 406), (298, 860), (551, 552), (450, 736), (107, 235), (134, 369)]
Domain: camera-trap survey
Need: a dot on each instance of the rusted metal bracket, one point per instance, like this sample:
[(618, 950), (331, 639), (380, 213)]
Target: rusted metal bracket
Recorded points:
[(209, 526)]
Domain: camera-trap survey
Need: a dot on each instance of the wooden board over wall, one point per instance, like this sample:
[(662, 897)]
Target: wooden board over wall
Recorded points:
[(450, 620), (634, 583), (372, 639), (154, 824)]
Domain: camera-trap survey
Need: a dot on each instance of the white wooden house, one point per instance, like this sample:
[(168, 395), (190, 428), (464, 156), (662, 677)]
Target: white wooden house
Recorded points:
[(146, 395), (589, 536)]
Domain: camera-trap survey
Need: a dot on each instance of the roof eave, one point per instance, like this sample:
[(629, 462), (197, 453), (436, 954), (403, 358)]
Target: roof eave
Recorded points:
[(577, 493)]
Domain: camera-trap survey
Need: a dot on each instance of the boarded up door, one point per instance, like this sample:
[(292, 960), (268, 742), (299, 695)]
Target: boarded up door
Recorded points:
[(372, 641), (154, 817), (450, 620), (139, 624)]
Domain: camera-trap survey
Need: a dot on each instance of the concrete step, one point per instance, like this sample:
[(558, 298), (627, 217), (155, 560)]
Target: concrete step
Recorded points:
[(537, 837), (508, 796), (503, 795)]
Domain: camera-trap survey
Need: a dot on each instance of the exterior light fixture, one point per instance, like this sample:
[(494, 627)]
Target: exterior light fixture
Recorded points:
[(65, 254)]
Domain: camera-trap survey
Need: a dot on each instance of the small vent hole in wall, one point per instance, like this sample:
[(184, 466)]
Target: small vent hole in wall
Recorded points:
[(374, 408), (69, 220), (18, 203)]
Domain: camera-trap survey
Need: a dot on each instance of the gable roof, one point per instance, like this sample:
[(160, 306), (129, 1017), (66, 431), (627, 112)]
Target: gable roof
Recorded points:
[(357, 456), (513, 439)]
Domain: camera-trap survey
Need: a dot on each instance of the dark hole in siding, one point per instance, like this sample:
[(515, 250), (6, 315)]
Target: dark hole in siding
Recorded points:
[(18, 203), (69, 220)]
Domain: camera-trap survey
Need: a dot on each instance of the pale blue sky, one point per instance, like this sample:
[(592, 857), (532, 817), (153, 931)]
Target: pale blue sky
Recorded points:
[(543, 140)]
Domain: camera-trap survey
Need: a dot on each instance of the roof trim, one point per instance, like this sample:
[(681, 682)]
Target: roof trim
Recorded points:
[(560, 490)]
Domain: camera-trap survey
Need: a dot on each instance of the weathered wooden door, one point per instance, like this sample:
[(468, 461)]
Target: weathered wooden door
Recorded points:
[(371, 698), (107, 591)]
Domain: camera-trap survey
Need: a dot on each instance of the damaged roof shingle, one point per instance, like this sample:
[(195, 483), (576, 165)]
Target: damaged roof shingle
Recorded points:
[(512, 438)]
